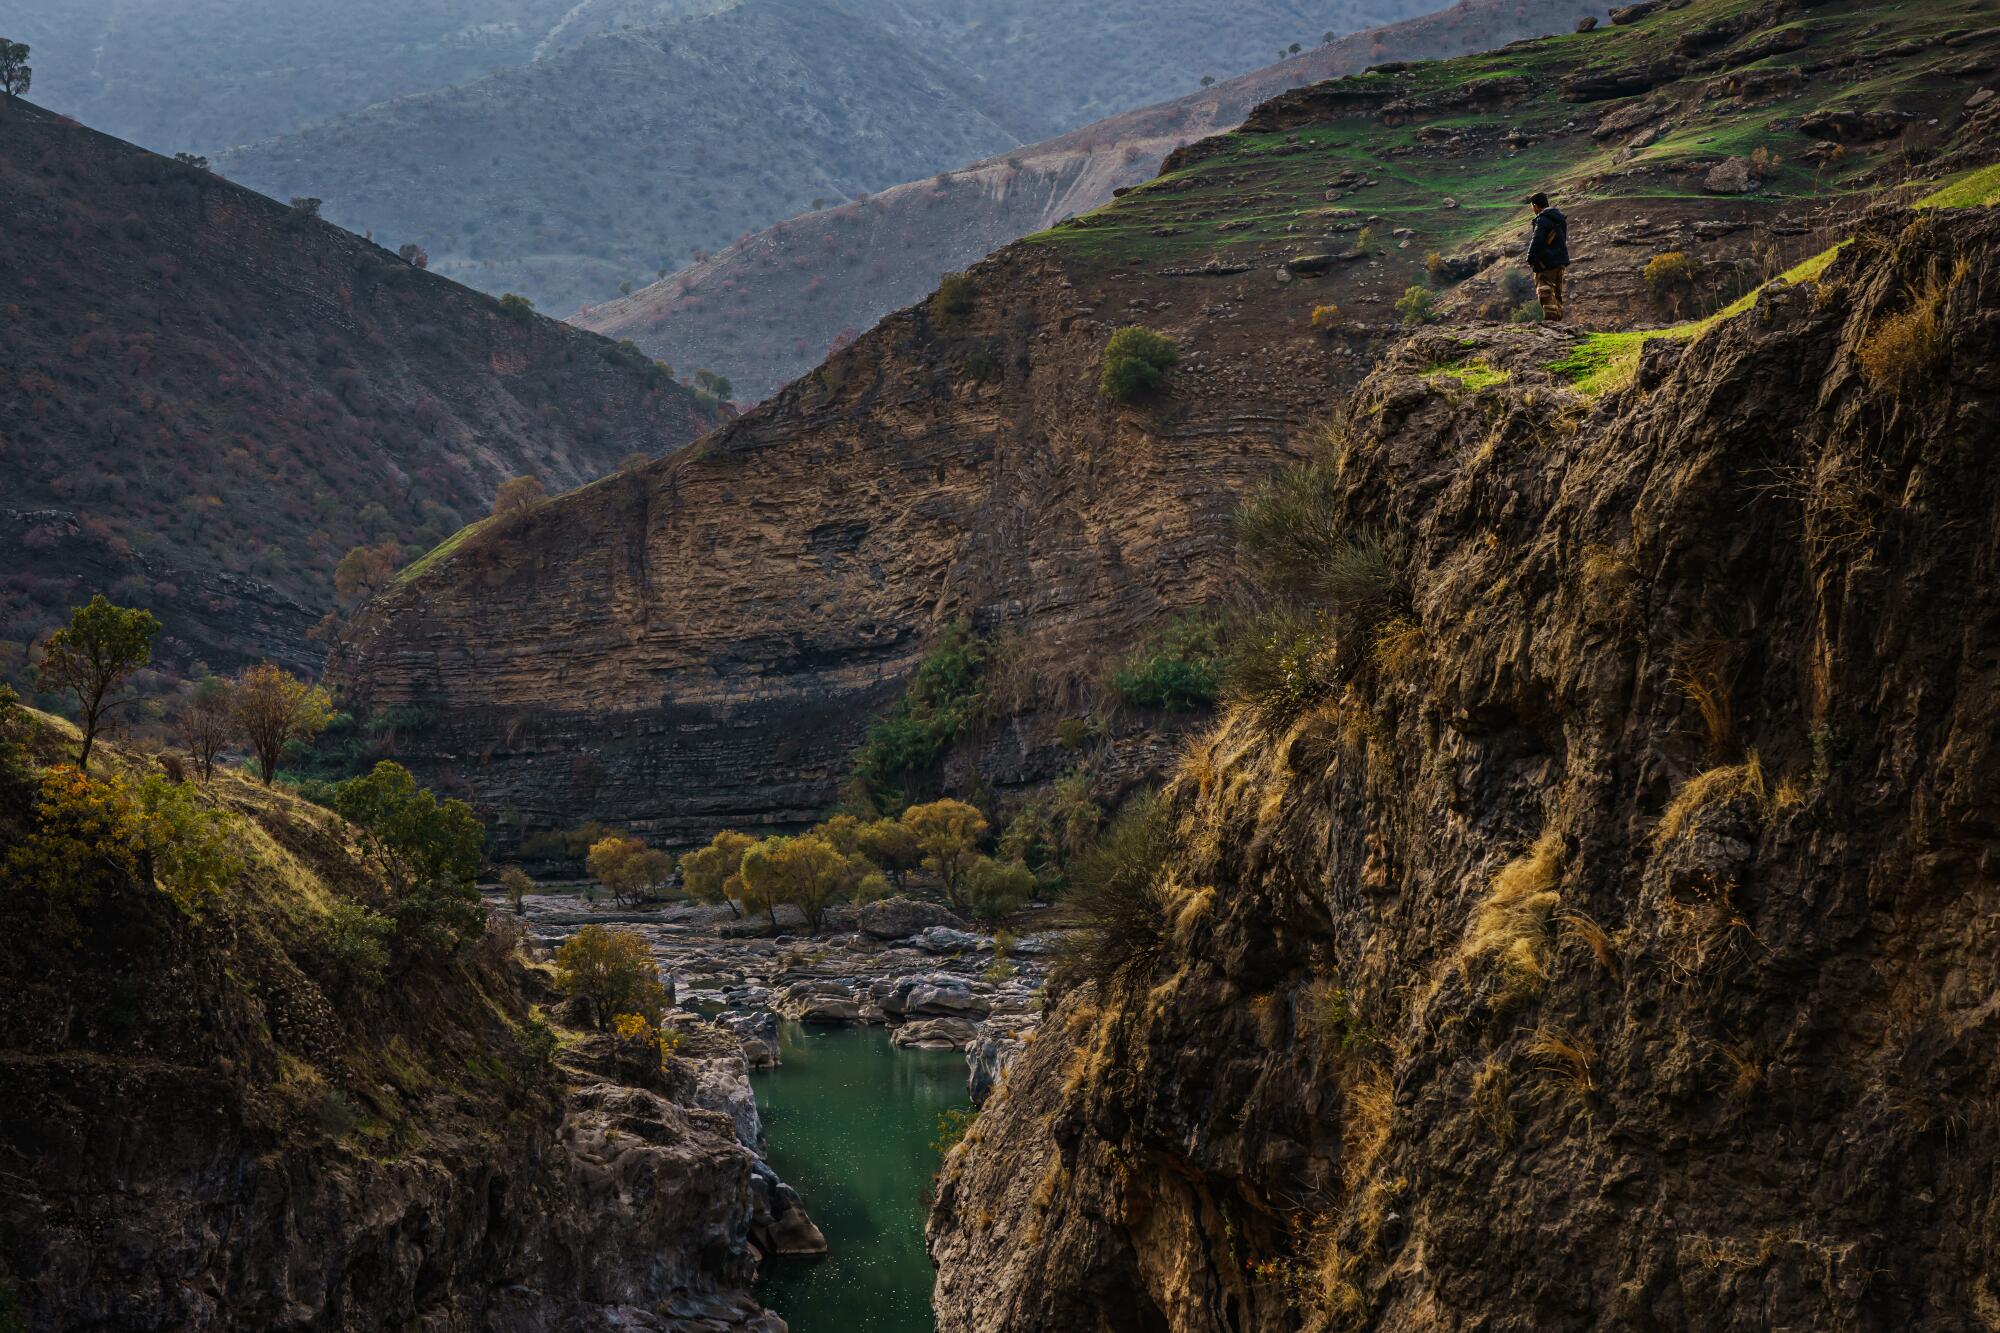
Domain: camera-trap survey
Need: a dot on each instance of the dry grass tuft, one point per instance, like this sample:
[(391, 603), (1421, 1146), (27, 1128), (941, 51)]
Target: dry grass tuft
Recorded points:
[(1703, 676), (1745, 1069), (1399, 648), (1717, 785), (1607, 583), (1579, 926), (1570, 1058), (1490, 1087), (1511, 925), (1369, 1115), (1901, 350)]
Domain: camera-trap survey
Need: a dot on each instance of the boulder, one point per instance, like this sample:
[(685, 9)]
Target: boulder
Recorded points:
[(943, 939), (1628, 118), (1732, 176), (818, 1001), (899, 918), (1587, 23), (758, 1034), (935, 1034), (779, 1222), (951, 999)]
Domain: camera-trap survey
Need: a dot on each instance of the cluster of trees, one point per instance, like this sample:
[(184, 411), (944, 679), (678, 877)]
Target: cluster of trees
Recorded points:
[(96, 655), (851, 859)]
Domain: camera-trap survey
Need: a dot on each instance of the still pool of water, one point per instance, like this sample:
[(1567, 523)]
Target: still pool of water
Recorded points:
[(848, 1122)]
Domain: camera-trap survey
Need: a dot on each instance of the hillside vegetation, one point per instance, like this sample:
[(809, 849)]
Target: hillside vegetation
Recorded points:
[(210, 397), (288, 1063)]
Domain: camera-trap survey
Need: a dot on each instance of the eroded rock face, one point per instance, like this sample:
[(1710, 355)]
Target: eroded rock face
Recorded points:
[(1527, 997), (718, 669)]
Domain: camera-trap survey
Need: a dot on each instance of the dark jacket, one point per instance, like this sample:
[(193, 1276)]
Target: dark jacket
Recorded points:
[(1548, 241)]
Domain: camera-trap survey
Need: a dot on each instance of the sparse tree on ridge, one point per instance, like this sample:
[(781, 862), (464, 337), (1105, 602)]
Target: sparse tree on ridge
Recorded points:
[(206, 718), (272, 707), (366, 570), (15, 73), (92, 656), (517, 495)]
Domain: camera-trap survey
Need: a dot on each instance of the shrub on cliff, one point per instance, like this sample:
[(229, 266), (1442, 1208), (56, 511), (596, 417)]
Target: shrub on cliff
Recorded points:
[(1116, 899), (1670, 278), (954, 296), (609, 972), (89, 836), (1136, 361), (947, 695), (352, 941), (1179, 674), (1414, 305), (431, 849)]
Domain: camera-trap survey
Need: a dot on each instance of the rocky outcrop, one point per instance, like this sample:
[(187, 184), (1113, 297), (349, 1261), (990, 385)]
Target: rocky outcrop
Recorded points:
[(899, 918), (717, 670), (1619, 951), (208, 1122)]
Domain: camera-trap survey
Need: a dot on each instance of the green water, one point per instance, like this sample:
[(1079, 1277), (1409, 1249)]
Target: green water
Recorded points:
[(848, 1121)]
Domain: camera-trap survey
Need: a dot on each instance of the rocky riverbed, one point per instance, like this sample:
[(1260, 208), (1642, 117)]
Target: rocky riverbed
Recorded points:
[(904, 964)]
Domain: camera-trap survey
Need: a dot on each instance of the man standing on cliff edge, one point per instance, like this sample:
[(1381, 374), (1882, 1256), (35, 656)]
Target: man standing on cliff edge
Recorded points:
[(1548, 255)]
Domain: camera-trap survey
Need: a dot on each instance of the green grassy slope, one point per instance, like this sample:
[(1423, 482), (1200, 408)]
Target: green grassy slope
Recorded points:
[(1449, 147)]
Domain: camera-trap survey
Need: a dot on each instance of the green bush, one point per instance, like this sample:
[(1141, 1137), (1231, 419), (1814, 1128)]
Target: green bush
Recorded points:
[(947, 695), (1414, 305), (353, 941), (1283, 664), (996, 889), (954, 297), (517, 308), (1135, 362), (1116, 901), (952, 1124), (1179, 674), (432, 849), (1289, 529)]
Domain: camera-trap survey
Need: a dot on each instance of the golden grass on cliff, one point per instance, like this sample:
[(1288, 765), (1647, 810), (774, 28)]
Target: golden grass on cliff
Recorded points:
[(1902, 349), (1490, 1087), (1725, 783), (1580, 926), (1399, 649), (1511, 924), (1570, 1058)]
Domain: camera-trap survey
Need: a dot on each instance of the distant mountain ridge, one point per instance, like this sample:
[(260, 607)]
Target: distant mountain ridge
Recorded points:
[(644, 132), (209, 398)]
